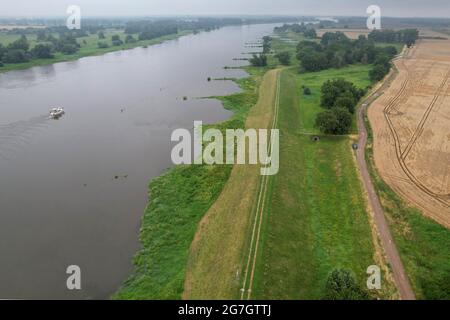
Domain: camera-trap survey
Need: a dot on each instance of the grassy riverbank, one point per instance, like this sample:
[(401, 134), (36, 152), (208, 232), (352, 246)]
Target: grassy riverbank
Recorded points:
[(178, 201), (89, 47), (316, 209), (316, 218), (214, 269)]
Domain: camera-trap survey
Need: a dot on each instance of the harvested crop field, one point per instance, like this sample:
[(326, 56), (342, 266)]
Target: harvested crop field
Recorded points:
[(411, 122)]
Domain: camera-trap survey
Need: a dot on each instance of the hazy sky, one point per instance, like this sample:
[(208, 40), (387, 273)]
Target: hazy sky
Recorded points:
[(400, 8)]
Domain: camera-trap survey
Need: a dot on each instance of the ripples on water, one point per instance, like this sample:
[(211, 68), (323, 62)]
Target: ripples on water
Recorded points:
[(17, 135)]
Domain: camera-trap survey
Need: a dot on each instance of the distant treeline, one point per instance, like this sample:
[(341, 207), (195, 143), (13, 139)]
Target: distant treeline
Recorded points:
[(406, 36), (149, 30), (307, 29)]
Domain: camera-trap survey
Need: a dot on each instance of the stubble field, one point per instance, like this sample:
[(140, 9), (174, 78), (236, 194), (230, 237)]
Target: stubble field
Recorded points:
[(411, 129)]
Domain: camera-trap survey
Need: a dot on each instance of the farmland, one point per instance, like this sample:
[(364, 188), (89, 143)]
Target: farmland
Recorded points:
[(411, 127)]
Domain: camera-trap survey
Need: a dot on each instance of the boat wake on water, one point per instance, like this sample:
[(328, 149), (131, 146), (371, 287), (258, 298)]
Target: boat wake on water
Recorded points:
[(16, 135)]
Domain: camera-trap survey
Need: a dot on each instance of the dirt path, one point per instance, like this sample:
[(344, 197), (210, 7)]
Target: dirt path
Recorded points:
[(249, 273), (393, 257), (218, 254)]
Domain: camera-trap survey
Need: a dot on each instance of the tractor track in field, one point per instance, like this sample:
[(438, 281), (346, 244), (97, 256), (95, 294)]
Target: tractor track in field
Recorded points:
[(402, 155)]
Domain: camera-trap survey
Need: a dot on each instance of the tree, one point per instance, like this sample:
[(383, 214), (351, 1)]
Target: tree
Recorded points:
[(116, 41), (313, 61), (344, 120), (330, 38), (341, 285), (20, 44), (378, 72), (346, 102), (41, 36), (407, 36), (130, 39), (69, 48), (16, 56), (102, 45), (101, 35), (334, 89), (2, 51), (334, 121), (310, 33), (284, 58), (259, 60), (327, 122), (42, 51), (267, 42)]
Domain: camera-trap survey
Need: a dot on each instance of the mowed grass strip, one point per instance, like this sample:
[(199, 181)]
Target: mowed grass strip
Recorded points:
[(317, 219), (218, 252)]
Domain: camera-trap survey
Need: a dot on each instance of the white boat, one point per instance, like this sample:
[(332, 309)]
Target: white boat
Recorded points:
[(57, 113)]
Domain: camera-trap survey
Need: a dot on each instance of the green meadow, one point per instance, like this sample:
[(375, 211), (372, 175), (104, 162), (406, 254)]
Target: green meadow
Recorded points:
[(316, 208)]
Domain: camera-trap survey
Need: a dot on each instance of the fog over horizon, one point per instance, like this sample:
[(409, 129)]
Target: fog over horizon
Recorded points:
[(397, 8)]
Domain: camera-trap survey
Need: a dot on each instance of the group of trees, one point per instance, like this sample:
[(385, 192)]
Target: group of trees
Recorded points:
[(307, 30), (267, 44), (284, 57), (381, 67), (407, 36), (148, 30), (259, 60), (20, 50), (115, 40), (340, 98), (336, 50), (342, 285)]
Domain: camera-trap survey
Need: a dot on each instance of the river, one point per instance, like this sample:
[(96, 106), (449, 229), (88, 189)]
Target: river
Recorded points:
[(73, 191)]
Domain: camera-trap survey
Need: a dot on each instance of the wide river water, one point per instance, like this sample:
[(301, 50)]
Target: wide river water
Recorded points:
[(73, 191)]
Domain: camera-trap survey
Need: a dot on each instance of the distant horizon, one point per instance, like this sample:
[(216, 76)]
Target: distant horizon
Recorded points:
[(216, 15), (132, 8)]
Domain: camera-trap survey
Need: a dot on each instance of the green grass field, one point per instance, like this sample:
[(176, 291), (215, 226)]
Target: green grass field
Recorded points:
[(358, 74), (316, 209)]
